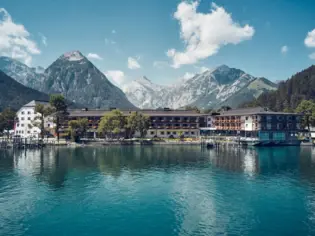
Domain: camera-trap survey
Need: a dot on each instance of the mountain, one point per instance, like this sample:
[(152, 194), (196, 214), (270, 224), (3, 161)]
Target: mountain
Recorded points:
[(145, 94), (250, 92), (80, 81), (210, 89), (290, 93), (14, 95), (30, 77)]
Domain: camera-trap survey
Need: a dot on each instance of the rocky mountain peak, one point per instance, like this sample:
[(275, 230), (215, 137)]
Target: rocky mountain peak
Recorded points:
[(72, 56), (144, 80), (222, 68)]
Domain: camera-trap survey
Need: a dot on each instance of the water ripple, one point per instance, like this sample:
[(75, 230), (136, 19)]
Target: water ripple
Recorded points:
[(157, 191)]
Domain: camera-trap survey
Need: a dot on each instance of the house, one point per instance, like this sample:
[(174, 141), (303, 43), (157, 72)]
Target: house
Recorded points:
[(25, 121)]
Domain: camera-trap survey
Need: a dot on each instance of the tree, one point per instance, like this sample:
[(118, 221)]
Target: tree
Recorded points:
[(143, 123), (73, 126), (181, 135), (307, 108), (43, 112), (225, 108), (131, 124), (112, 123), (192, 108), (7, 118), (60, 110), (77, 128)]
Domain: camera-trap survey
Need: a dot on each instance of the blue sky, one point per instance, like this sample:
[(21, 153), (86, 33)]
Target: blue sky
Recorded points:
[(262, 37)]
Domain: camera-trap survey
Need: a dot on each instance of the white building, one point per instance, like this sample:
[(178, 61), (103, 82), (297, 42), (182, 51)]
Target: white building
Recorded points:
[(26, 115)]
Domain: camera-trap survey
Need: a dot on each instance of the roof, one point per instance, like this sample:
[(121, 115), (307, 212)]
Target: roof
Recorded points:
[(99, 112), (253, 111), (35, 102)]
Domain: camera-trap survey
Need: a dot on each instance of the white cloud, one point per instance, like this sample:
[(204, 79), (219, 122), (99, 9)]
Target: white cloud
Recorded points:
[(160, 64), (310, 39), (113, 31), (109, 41), (116, 76), (133, 63), (284, 49), (312, 56), (44, 39), (14, 39), (204, 34), (94, 56)]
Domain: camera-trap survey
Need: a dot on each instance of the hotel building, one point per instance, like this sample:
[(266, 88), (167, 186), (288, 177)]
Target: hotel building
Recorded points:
[(164, 123), (259, 122)]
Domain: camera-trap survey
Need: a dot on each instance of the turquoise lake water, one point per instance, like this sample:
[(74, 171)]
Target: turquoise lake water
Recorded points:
[(157, 191)]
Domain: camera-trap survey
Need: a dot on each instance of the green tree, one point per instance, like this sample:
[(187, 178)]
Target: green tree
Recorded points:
[(58, 102), (112, 123), (224, 108), (143, 123), (131, 124), (307, 108), (78, 128), (73, 127), (39, 121), (181, 135), (192, 108), (7, 118)]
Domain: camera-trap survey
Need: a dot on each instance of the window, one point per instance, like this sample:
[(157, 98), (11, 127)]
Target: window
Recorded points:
[(17, 125), (209, 118), (246, 125), (246, 118), (22, 112), (268, 126), (174, 132), (186, 133), (22, 125), (28, 112), (279, 126), (22, 118), (209, 125), (28, 132), (192, 132), (152, 132), (162, 133), (268, 117), (168, 132), (22, 132), (48, 125), (28, 118), (280, 118)]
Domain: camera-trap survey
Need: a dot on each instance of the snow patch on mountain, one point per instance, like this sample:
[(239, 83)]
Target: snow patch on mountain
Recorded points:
[(208, 89), (73, 56)]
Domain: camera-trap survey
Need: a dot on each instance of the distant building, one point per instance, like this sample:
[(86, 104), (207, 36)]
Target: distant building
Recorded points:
[(26, 115)]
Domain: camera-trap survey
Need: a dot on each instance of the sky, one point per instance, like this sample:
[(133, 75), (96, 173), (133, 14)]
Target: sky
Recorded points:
[(164, 40)]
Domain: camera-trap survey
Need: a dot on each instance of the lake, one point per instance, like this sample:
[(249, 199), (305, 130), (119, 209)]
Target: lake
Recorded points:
[(157, 190)]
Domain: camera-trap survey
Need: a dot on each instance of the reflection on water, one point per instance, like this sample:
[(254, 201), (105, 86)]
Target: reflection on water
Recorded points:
[(157, 190)]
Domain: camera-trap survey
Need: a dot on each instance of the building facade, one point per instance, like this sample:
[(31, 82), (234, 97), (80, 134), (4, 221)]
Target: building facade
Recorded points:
[(259, 122), (25, 120), (164, 123)]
